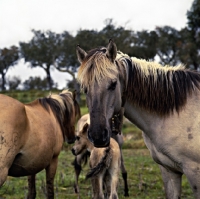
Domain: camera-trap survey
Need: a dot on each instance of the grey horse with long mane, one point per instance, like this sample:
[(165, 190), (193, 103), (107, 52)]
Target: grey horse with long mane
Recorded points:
[(163, 101)]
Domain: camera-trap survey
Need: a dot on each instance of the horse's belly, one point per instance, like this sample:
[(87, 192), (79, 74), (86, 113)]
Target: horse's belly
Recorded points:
[(24, 166), (19, 170)]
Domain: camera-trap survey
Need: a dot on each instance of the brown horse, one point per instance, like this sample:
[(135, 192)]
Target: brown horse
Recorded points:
[(104, 164), (32, 135), (81, 158), (163, 101)]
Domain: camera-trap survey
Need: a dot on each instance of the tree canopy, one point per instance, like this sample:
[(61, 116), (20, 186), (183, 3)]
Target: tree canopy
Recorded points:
[(42, 51), (8, 58), (50, 50)]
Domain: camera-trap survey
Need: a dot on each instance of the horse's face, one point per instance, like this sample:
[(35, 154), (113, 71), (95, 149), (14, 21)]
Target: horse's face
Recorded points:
[(102, 104), (81, 142), (103, 93)]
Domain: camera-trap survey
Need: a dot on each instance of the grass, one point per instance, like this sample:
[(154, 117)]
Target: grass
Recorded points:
[(144, 176), (144, 179)]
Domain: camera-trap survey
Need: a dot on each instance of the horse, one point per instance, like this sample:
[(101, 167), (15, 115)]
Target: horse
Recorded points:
[(104, 165), (82, 157), (163, 101), (32, 136)]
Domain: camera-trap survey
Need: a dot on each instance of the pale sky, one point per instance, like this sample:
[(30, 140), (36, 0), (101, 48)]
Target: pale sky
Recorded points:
[(18, 17)]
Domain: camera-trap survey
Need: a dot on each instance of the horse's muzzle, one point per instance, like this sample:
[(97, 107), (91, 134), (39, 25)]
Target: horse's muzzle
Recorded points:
[(103, 139), (73, 151)]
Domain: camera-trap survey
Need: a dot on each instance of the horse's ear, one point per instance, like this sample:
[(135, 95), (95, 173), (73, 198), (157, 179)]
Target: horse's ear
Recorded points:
[(81, 54), (111, 51), (85, 127)]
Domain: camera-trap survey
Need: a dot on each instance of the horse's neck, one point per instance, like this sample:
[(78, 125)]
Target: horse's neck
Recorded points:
[(141, 118)]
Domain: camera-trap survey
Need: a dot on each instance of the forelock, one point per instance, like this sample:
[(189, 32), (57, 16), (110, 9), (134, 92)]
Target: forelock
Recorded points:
[(95, 68)]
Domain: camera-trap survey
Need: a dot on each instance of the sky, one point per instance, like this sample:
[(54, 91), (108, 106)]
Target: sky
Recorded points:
[(19, 17)]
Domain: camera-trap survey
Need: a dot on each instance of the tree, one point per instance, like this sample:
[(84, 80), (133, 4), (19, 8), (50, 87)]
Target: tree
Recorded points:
[(42, 51), (168, 45), (193, 16), (37, 83), (66, 60), (139, 44), (8, 58), (89, 39), (121, 35), (143, 44), (187, 50), (13, 82)]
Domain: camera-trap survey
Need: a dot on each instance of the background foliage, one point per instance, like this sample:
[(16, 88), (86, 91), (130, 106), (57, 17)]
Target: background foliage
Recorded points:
[(49, 50)]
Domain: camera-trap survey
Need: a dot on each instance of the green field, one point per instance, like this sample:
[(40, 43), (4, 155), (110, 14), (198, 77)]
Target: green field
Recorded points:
[(144, 179), (144, 176)]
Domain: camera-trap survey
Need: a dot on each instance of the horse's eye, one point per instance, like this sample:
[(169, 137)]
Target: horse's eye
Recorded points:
[(112, 85), (104, 50), (85, 90), (77, 138)]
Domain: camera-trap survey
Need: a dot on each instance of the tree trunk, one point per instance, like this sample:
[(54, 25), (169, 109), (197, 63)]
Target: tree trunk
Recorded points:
[(49, 81), (3, 88)]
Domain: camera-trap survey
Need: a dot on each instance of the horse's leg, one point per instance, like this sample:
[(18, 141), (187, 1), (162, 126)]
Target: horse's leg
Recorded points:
[(3, 174), (107, 184), (119, 139), (31, 187), (124, 175), (111, 182), (77, 167), (50, 174), (172, 183), (97, 187), (192, 172)]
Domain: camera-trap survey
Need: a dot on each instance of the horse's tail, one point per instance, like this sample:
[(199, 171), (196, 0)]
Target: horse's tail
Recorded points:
[(104, 163)]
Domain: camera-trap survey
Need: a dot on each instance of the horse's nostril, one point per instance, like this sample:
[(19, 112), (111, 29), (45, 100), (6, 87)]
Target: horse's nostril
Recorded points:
[(105, 134), (71, 141), (73, 151), (89, 137)]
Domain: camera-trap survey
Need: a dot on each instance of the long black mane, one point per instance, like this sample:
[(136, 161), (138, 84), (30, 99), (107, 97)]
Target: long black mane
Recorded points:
[(160, 89), (63, 108)]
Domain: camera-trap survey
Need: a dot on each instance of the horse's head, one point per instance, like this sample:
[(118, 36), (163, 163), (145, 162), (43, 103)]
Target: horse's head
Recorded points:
[(101, 81), (81, 143)]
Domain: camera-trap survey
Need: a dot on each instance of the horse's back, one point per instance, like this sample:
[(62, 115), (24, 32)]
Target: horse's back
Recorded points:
[(12, 117), (12, 114), (9, 104)]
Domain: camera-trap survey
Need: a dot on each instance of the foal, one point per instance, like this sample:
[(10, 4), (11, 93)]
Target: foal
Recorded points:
[(104, 165), (81, 159)]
